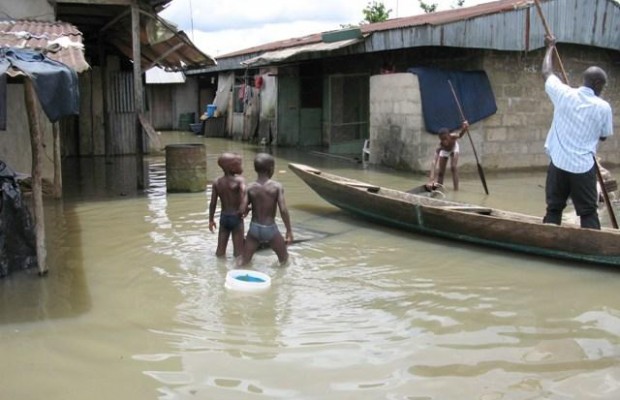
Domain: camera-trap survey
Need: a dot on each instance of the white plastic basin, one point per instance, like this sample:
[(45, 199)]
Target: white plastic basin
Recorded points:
[(247, 280)]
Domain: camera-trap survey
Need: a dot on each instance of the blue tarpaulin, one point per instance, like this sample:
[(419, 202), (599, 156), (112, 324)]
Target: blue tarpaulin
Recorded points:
[(55, 83), (439, 107)]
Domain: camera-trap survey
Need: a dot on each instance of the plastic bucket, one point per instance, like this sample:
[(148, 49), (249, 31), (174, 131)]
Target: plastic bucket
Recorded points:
[(247, 280), (211, 110)]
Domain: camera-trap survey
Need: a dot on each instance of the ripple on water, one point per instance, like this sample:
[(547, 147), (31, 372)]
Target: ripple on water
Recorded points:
[(369, 314)]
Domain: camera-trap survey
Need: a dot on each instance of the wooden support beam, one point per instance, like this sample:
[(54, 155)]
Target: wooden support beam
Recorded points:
[(138, 90), (36, 141), (57, 162), (115, 20), (136, 52), (166, 54)]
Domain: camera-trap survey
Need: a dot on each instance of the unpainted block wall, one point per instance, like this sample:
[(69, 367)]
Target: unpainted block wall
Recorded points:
[(512, 139), (397, 137)]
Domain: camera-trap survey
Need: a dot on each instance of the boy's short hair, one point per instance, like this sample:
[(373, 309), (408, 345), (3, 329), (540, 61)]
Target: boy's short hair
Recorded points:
[(443, 131), (263, 162), (225, 159)]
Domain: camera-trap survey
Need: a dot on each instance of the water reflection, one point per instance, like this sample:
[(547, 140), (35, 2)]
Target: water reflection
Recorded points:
[(136, 298)]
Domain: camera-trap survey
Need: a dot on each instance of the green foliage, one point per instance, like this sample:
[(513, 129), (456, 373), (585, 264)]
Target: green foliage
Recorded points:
[(432, 7), (427, 7), (375, 11)]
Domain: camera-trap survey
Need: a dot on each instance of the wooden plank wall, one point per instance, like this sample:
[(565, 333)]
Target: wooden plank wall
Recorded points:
[(122, 137)]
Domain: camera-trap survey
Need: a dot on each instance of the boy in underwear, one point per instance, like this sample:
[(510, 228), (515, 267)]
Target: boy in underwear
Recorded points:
[(265, 196), (229, 188), (448, 148)]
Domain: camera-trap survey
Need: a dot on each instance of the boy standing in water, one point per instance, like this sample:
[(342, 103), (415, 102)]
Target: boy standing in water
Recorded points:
[(230, 189), (448, 148), (264, 196)]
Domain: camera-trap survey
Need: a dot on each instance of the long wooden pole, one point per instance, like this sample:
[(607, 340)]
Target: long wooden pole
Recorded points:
[(37, 191), (599, 176), (480, 170)]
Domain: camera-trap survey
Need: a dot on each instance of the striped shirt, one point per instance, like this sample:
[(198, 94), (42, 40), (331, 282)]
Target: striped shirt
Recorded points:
[(580, 119)]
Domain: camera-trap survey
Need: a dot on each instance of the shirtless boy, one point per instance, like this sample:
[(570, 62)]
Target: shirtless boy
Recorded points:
[(263, 197), (229, 189), (448, 148)]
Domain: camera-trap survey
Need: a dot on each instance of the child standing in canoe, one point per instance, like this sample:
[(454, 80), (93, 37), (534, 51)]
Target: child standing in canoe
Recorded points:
[(229, 189), (448, 148)]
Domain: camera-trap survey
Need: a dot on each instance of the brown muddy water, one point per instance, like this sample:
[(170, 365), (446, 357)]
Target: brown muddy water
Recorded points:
[(134, 306)]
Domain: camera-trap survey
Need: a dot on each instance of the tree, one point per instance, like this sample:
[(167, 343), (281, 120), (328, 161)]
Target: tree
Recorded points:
[(375, 12), (432, 7), (427, 7)]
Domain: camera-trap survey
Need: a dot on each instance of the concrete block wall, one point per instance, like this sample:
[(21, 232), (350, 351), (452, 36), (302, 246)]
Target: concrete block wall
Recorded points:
[(398, 138), (512, 139), (397, 135)]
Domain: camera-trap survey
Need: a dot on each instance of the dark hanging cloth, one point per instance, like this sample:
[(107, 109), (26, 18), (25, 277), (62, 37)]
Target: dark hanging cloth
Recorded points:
[(439, 108), (55, 83), (2, 102), (17, 229)]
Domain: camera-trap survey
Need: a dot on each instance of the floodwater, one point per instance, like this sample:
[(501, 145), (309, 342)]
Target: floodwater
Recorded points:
[(134, 306)]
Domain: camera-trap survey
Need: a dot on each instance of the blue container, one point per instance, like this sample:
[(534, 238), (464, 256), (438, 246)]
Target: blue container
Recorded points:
[(211, 110)]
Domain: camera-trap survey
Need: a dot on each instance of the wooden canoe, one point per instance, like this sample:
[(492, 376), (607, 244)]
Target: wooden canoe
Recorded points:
[(464, 222)]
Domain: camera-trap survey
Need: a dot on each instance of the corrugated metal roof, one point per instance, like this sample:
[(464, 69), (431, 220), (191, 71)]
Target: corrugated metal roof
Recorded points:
[(157, 76), (280, 55), (175, 53), (112, 23), (509, 25), (435, 18), (447, 16), (59, 40)]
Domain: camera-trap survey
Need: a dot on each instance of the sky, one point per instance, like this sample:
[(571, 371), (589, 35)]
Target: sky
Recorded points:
[(220, 27)]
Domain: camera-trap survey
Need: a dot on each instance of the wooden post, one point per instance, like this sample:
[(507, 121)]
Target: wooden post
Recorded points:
[(105, 86), (137, 66), (57, 162), (138, 90), (36, 141)]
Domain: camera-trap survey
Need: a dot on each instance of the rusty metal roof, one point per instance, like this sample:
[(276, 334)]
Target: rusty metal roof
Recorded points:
[(435, 18), (60, 41), (505, 25), (447, 16), (173, 51)]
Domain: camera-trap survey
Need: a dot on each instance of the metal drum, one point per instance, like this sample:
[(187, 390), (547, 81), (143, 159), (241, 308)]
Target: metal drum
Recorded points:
[(186, 168)]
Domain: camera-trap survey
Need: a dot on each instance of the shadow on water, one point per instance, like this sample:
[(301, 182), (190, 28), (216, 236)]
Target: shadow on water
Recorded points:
[(63, 291), (135, 297)]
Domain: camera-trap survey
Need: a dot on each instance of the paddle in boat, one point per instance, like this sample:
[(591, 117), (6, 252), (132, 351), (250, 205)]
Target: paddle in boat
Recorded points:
[(420, 213)]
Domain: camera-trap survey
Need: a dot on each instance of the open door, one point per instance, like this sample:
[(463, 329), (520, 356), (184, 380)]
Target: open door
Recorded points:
[(348, 113)]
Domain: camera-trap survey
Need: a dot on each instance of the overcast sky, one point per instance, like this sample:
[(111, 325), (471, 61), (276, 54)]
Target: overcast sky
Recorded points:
[(223, 26)]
